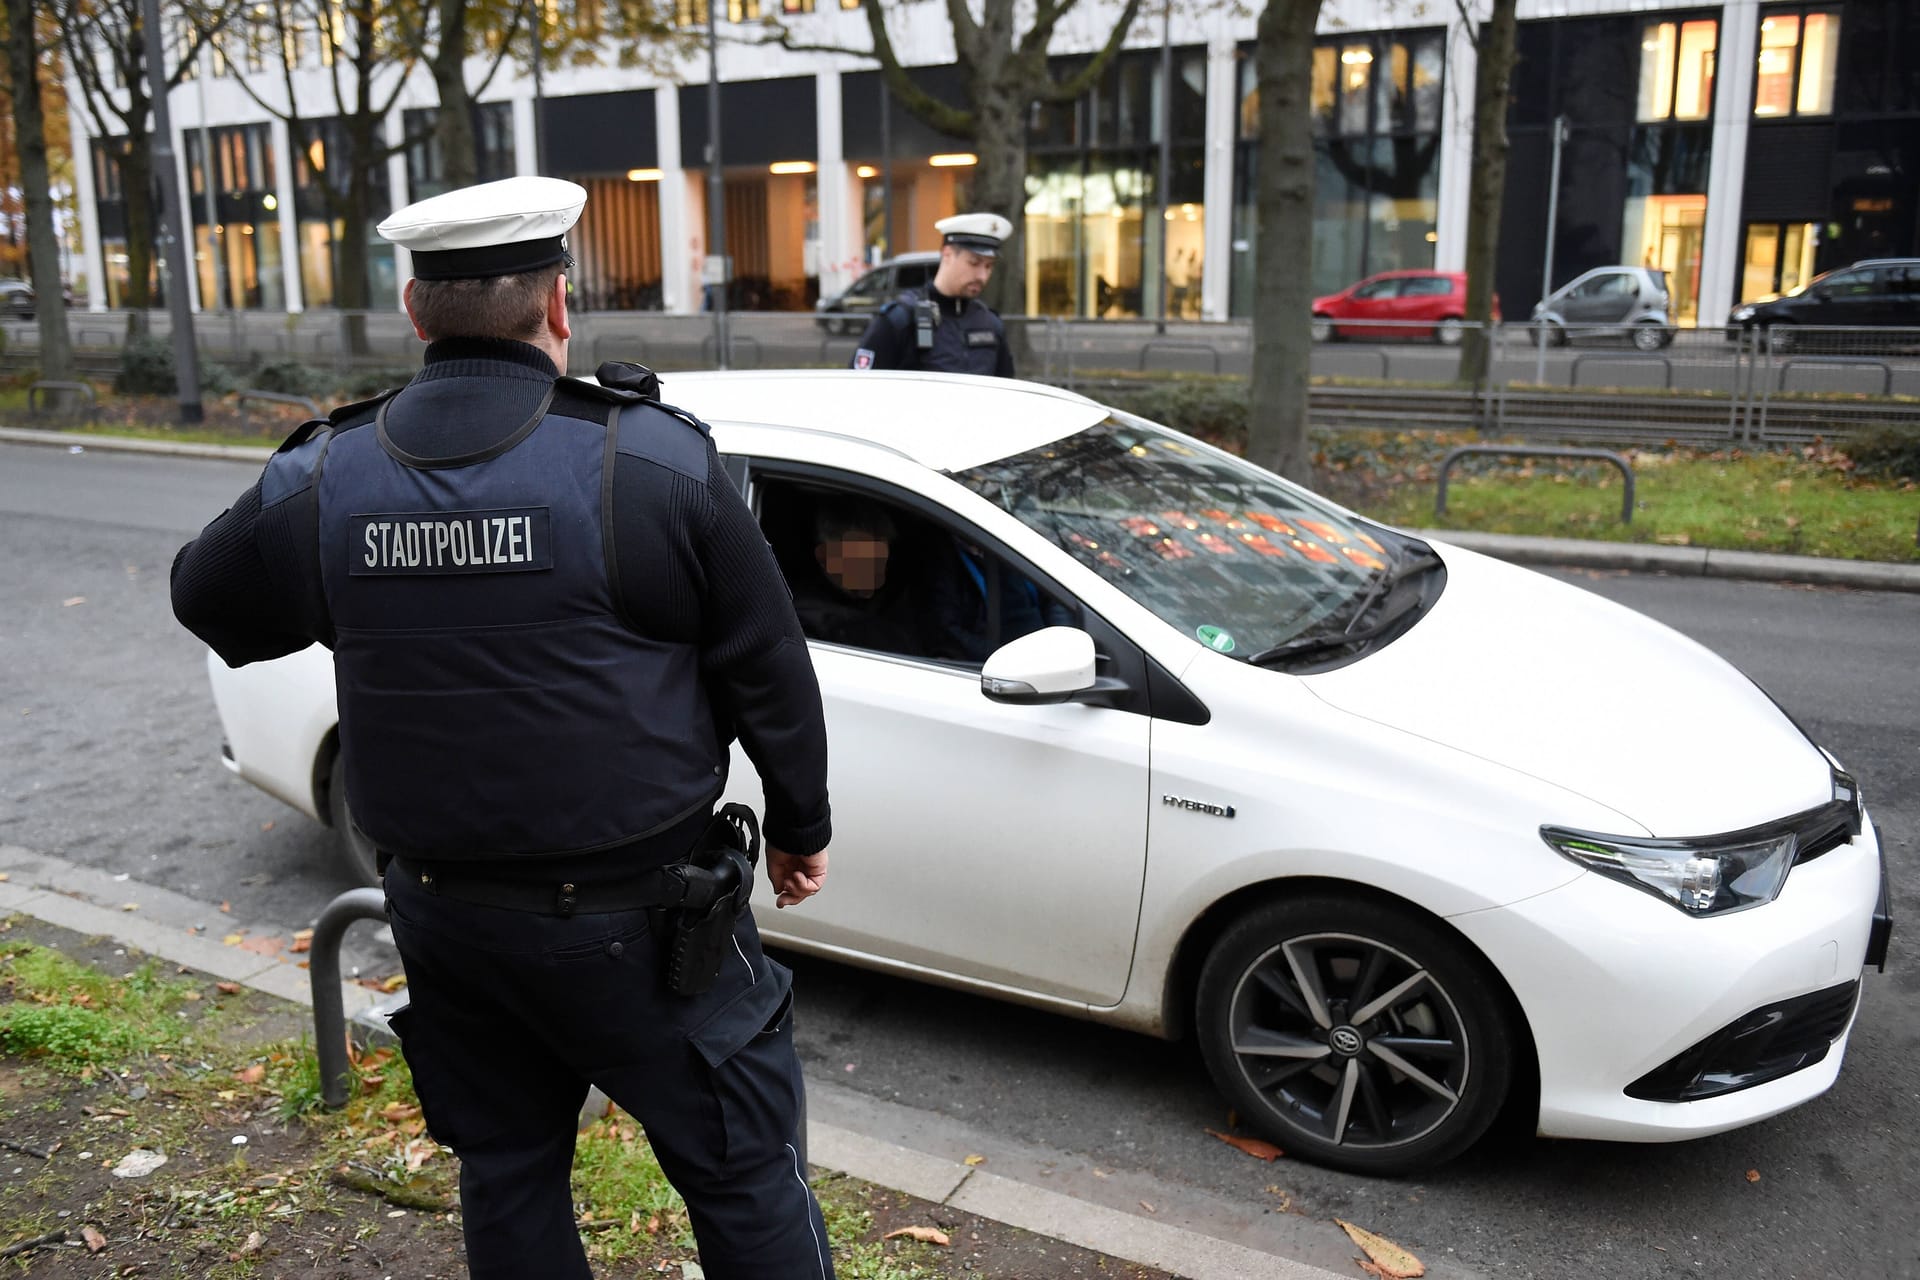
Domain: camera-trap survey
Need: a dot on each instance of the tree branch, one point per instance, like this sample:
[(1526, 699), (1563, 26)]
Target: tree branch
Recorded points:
[(1081, 81), (947, 119)]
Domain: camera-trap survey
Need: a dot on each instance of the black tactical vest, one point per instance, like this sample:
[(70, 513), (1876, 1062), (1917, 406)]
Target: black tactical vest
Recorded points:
[(967, 343), (493, 702)]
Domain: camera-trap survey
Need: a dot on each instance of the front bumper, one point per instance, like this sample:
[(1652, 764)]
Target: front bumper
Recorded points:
[(1617, 986)]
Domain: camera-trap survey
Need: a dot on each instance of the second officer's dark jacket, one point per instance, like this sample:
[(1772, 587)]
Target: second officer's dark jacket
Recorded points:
[(966, 336), (549, 609)]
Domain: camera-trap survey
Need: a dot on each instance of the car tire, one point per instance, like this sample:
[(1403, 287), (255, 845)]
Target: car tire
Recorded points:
[(1449, 332), (1549, 333), (1413, 1083), (1777, 338), (1322, 329), (1649, 336), (361, 858)]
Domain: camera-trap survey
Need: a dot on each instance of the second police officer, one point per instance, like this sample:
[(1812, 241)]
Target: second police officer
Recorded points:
[(550, 613), (943, 326)]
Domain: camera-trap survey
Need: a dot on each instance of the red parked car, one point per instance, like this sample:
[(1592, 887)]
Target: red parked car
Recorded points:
[(1397, 304)]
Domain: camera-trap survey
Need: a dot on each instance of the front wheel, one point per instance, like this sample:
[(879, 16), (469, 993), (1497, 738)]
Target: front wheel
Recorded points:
[(361, 857), (1449, 332), (1322, 329), (1355, 1034), (1651, 337)]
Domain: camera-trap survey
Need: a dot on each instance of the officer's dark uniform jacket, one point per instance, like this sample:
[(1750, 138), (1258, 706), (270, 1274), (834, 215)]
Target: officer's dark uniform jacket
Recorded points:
[(968, 337), (549, 610)]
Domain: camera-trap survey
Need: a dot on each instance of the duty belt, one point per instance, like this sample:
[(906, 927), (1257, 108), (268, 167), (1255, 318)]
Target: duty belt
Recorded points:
[(669, 886)]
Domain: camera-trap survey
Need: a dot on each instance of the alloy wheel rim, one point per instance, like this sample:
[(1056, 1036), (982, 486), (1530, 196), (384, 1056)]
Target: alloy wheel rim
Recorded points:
[(1349, 1041)]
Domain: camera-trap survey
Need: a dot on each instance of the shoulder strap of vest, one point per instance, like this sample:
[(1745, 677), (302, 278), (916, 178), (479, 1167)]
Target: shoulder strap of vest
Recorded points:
[(347, 412), (661, 433), (296, 463)]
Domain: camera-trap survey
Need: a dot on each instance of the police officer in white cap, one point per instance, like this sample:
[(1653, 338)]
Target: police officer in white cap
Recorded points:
[(550, 614), (944, 325)]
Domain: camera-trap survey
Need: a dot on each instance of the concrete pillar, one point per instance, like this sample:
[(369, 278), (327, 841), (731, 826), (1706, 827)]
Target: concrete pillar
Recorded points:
[(1736, 65), (524, 138), (289, 217), (838, 243), (401, 187), (1456, 147), (84, 198), (1223, 111), (682, 238)]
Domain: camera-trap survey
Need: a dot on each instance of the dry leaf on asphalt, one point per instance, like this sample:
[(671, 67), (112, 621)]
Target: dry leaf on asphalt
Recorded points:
[(394, 983), (264, 946), (302, 940), (1252, 1146), (226, 907), (1753, 1175), (227, 988), (925, 1235), (971, 1161), (95, 1241), (1385, 1258), (71, 601)]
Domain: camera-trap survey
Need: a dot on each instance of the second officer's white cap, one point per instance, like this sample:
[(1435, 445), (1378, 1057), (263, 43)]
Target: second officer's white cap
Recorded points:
[(980, 232), (492, 229)]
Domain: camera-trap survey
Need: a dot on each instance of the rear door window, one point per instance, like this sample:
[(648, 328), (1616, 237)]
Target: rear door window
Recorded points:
[(1426, 287), (910, 275)]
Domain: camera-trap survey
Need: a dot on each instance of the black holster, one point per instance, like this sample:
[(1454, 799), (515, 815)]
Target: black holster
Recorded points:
[(718, 875)]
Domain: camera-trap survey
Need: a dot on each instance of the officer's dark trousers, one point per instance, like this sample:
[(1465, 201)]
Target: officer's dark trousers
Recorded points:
[(513, 1014)]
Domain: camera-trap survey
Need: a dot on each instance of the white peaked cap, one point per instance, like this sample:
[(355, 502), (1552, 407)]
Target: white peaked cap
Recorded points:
[(492, 229)]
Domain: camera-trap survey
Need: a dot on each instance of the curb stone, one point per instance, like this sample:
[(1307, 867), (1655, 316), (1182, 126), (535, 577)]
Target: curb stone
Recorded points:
[(1866, 575), (70, 896)]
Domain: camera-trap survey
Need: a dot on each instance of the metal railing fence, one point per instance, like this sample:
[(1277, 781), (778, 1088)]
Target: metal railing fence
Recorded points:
[(1707, 386)]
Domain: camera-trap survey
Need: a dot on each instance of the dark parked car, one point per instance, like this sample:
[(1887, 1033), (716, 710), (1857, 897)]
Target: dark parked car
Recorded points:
[(1880, 292), (1630, 302), (1396, 304), (16, 298), (849, 310)]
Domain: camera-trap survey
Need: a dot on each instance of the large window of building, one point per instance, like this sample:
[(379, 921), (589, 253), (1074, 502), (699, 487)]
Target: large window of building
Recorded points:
[(1376, 101), (1777, 257), (321, 163), (1094, 231), (1664, 224), (492, 142), (236, 223), (1676, 70), (1799, 52)]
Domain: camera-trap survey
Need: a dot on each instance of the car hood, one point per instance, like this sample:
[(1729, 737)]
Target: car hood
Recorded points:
[(1558, 683)]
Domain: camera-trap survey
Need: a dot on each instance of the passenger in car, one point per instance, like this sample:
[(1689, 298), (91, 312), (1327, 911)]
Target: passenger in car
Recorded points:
[(849, 599), (975, 604)]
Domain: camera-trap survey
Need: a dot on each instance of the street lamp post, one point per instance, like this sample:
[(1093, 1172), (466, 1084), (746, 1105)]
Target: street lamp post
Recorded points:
[(1166, 154), (1546, 268), (186, 362)]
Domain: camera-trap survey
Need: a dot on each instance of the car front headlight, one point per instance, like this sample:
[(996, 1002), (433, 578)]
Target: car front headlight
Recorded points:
[(1741, 315), (1713, 875)]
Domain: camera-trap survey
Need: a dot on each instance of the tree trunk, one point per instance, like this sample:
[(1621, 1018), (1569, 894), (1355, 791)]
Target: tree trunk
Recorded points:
[(350, 251), (1487, 186), (1283, 286), (30, 141), (136, 187), (453, 122), (1000, 186)]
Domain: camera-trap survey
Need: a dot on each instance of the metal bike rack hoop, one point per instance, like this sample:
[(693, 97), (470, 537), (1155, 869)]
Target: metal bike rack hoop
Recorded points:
[(1523, 451), (329, 1009)]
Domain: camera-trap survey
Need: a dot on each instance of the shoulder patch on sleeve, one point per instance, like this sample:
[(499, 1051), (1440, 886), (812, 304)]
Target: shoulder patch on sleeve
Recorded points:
[(295, 463), (665, 435)]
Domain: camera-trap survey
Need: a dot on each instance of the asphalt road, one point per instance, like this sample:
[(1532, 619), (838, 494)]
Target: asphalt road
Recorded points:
[(110, 743)]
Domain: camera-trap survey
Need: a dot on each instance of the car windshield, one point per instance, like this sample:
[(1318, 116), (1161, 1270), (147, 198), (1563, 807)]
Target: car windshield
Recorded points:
[(1213, 545)]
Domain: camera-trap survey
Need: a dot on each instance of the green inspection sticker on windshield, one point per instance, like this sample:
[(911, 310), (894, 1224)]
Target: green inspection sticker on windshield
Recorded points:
[(1215, 638)]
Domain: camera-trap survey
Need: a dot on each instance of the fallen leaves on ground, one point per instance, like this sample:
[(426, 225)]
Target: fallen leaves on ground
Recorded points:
[(95, 1241), (1252, 1146), (302, 940), (251, 1074), (1384, 1258), (227, 988), (925, 1235), (972, 1161), (1753, 1175), (264, 946)]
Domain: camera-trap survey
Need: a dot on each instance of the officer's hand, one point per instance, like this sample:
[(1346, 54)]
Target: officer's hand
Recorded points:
[(795, 879)]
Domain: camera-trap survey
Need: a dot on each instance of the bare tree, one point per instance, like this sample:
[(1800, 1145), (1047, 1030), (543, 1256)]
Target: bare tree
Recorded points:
[(30, 141), (1006, 76), (105, 38), (370, 49), (1283, 281), (1493, 42), (461, 28)]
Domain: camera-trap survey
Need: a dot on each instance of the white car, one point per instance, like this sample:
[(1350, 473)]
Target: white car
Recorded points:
[(1403, 834)]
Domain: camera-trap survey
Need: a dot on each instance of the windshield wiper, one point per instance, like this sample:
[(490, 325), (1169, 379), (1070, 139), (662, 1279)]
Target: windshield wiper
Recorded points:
[(1353, 633)]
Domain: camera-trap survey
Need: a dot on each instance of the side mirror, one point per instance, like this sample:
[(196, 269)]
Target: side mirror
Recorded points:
[(1043, 667)]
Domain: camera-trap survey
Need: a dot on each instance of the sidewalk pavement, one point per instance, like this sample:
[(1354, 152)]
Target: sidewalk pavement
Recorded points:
[(1702, 562), (1192, 1233)]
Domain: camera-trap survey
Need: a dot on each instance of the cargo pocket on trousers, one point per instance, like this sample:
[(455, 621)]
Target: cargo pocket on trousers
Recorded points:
[(748, 1046)]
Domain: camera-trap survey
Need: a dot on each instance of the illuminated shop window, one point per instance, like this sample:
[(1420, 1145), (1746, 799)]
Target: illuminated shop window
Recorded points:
[(1676, 70), (1778, 258), (1798, 54)]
